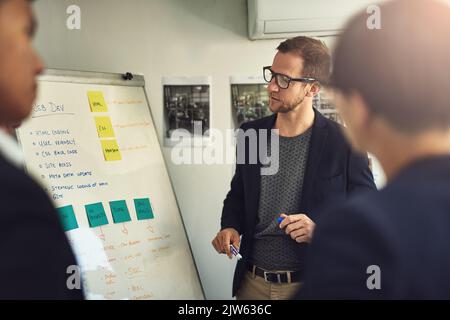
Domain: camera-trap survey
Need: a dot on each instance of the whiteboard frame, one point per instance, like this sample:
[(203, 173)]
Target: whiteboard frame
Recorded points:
[(104, 78)]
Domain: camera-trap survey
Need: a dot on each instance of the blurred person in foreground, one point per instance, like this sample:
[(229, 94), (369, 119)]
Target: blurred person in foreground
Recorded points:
[(35, 253), (391, 86)]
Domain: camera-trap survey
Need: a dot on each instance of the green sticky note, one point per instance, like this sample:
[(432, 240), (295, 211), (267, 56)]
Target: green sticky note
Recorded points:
[(67, 217), (143, 209), (96, 214), (119, 211)]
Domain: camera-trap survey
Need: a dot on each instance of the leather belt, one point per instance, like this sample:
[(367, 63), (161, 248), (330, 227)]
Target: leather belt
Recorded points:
[(276, 276)]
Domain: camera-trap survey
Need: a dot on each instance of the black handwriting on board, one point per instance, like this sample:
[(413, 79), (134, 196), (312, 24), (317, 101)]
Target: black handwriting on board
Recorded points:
[(49, 109)]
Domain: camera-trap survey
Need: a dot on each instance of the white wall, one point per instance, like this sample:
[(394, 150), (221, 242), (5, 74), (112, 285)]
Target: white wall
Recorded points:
[(167, 38)]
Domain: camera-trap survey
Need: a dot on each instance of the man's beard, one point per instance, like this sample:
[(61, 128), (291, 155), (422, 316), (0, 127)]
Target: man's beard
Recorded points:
[(285, 108)]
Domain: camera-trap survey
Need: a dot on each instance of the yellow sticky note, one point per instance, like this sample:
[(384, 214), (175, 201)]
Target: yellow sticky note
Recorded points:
[(97, 101), (111, 150), (104, 127)]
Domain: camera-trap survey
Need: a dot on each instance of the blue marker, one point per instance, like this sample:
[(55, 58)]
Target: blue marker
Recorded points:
[(280, 219), (235, 252)]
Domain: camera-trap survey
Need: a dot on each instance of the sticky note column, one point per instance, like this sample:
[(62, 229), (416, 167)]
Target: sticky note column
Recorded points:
[(105, 131)]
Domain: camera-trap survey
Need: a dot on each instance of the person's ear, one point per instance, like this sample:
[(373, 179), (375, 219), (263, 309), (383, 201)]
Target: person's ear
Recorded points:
[(313, 90)]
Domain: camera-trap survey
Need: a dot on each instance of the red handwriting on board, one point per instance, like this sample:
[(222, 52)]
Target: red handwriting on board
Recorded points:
[(102, 235)]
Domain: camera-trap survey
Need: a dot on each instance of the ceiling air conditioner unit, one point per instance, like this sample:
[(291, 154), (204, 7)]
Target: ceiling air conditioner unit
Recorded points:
[(272, 19)]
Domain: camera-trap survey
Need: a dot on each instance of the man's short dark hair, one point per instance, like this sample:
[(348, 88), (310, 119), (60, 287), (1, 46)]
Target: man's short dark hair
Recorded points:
[(314, 53), (403, 69)]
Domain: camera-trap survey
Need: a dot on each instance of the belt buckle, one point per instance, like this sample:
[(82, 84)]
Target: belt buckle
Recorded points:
[(268, 272)]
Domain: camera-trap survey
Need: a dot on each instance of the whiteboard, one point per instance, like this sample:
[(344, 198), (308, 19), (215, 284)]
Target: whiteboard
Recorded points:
[(117, 205)]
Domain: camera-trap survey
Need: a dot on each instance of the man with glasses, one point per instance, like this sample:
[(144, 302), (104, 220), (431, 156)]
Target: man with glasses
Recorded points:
[(275, 213)]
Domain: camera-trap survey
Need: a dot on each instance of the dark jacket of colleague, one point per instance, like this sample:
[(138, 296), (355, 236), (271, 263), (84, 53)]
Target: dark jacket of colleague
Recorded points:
[(391, 244), (35, 252), (332, 172)]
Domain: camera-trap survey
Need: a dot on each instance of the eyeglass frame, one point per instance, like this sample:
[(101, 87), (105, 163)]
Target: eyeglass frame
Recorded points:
[(274, 74)]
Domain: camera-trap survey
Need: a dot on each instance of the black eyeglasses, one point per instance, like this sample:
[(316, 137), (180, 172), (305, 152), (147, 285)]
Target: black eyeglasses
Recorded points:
[(283, 81)]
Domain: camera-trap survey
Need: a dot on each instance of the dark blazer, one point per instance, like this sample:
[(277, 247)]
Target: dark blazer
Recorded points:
[(332, 172), (404, 229), (34, 250)]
